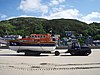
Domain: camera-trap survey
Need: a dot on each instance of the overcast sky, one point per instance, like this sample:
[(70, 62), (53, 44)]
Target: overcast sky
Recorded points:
[(84, 10)]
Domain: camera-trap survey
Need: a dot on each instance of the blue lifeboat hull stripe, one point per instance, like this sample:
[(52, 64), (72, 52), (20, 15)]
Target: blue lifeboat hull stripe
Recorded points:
[(23, 44)]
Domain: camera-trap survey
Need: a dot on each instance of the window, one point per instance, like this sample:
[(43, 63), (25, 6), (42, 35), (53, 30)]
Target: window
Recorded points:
[(32, 36), (35, 36), (43, 36), (38, 36)]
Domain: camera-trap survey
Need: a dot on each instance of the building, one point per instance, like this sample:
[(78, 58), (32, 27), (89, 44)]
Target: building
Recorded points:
[(69, 39), (96, 42), (89, 41)]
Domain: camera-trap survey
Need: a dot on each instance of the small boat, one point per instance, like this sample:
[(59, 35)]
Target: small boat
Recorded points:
[(33, 45)]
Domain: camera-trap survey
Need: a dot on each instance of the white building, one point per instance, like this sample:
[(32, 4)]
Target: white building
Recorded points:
[(96, 42)]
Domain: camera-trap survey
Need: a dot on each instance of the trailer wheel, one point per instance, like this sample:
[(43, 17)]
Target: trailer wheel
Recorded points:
[(57, 53)]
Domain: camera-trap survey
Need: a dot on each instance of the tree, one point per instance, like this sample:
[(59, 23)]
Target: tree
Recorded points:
[(39, 29), (97, 37), (6, 28)]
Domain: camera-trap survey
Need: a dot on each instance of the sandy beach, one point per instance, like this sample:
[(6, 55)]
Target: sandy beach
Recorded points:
[(12, 63)]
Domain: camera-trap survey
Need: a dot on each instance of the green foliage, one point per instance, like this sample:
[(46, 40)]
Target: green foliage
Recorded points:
[(26, 26), (6, 28), (81, 40), (39, 29), (97, 37)]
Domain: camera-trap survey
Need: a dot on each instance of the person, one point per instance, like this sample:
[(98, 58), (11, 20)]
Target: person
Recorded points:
[(75, 46)]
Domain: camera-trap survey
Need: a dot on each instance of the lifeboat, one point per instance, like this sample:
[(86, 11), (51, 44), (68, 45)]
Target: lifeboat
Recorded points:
[(35, 44)]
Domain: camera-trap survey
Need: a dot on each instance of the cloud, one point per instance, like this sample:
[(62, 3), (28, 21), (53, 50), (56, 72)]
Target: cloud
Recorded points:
[(92, 17), (59, 13), (19, 16), (33, 6), (61, 1), (56, 2), (54, 9), (37, 6), (3, 16), (73, 14), (67, 14)]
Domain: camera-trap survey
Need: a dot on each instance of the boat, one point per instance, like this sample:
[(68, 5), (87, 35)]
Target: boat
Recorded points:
[(35, 44)]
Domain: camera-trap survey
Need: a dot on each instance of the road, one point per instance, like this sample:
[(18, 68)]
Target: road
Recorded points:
[(12, 63)]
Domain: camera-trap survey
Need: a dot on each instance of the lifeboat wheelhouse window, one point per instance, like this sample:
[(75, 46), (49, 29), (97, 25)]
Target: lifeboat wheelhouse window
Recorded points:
[(33, 36), (43, 36), (38, 36)]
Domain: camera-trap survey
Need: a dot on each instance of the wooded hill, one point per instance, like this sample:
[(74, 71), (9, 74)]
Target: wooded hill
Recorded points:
[(28, 25)]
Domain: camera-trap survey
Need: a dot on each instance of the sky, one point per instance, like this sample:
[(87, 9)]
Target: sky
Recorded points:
[(84, 10)]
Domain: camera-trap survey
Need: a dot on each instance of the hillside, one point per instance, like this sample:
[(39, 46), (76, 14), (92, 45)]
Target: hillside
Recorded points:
[(26, 26)]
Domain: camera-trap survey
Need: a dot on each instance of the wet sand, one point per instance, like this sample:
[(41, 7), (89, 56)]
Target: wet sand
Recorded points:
[(12, 63)]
